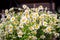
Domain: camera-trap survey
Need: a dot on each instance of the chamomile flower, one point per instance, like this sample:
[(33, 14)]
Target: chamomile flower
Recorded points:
[(48, 30), (11, 9), (6, 32), (6, 11), (10, 31), (34, 38), (40, 8), (34, 32), (45, 8), (21, 25), (23, 19), (14, 22), (31, 28), (45, 23), (12, 18), (6, 27), (42, 36), (56, 34), (36, 26), (34, 14), (20, 33), (26, 11), (27, 15), (24, 6), (8, 16), (9, 28), (19, 9)]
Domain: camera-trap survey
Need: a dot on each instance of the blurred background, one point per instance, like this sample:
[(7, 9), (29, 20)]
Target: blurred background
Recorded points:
[(53, 5)]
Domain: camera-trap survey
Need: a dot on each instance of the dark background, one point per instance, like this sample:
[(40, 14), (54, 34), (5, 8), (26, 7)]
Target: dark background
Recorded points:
[(6, 4)]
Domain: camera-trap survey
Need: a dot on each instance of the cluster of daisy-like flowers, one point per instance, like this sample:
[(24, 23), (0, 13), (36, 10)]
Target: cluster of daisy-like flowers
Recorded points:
[(30, 24)]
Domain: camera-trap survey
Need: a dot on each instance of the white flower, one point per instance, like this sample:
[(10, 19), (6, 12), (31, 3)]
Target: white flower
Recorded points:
[(34, 38), (34, 32), (30, 37), (11, 9), (24, 6), (40, 8), (6, 11), (12, 18), (19, 9), (49, 12), (10, 31), (42, 36), (45, 8), (40, 23), (10, 26), (36, 26), (27, 15), (43, 15), (8, 16), (21, 25), (17, 28), (56, 34), (45, 23), (26, 11), (20, 33), (48, 30), (23, 19), (6, 32), (33, 9), (6, 27), (13, 13), (34, 14), (31, 28)]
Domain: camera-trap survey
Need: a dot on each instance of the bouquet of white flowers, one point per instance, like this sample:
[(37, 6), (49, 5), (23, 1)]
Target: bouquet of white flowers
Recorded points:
[(30, 24)]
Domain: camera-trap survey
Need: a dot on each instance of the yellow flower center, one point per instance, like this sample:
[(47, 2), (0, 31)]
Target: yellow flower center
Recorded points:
[(13, 18), (23, 20), (14, 26), (49, 29), (36, 26), (10, 30)]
